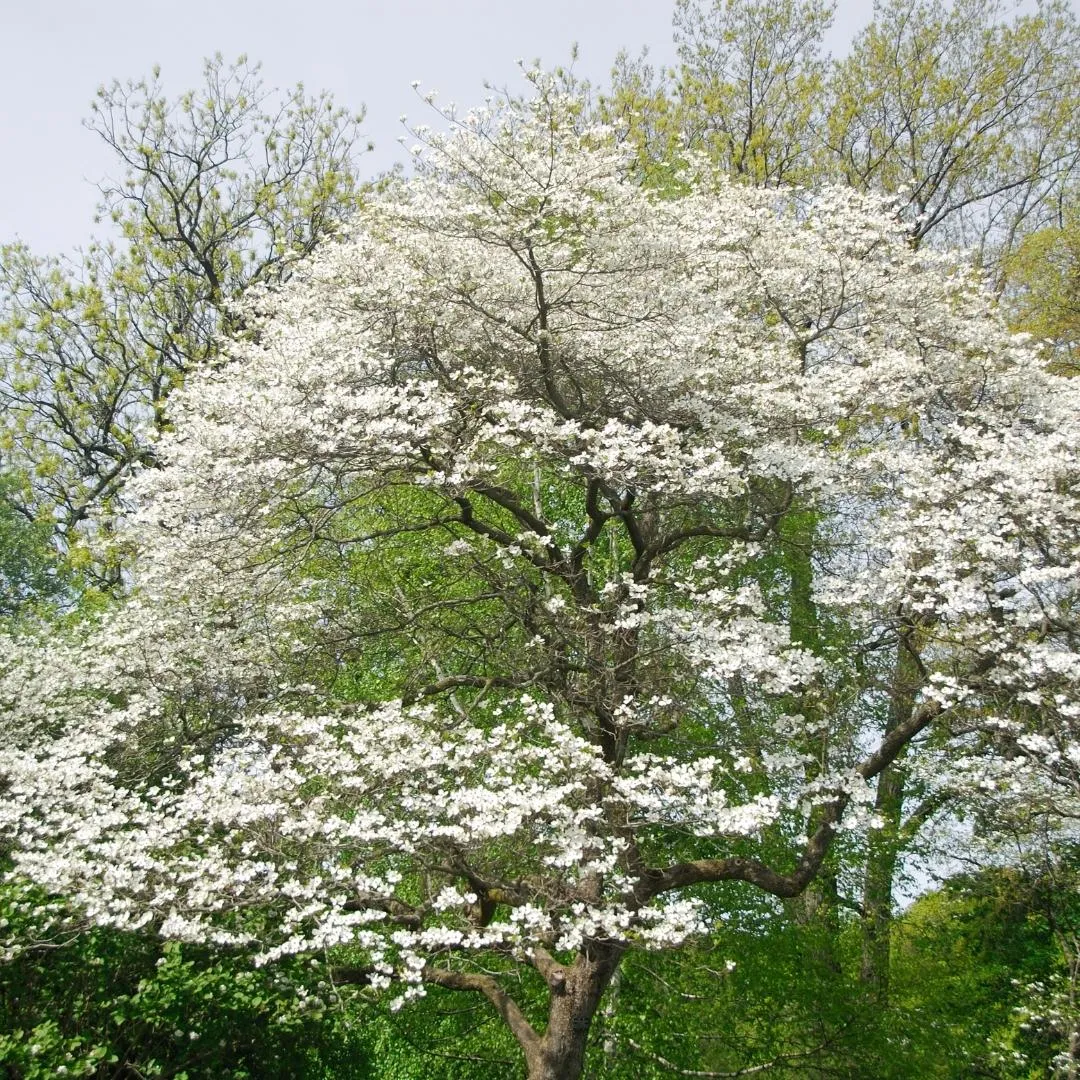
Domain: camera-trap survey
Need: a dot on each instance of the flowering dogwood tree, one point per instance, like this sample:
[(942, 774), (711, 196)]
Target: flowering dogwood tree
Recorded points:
[(461, 642)]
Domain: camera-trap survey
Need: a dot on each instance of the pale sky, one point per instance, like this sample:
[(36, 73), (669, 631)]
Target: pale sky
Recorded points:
[(57, 53)]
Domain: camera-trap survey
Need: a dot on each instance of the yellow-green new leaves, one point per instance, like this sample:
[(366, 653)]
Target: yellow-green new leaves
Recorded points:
[(229, 183), (752, 76), (971, 120), (1043, 276), (223, 187), (748, 91), (78, 379), (968, 119)]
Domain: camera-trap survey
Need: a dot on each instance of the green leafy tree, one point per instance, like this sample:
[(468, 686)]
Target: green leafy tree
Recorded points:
[(967, 958), (222, 188), (751, 88), (748, 90), (29, 569), (1043, 275), (969, 121), (967, 118)]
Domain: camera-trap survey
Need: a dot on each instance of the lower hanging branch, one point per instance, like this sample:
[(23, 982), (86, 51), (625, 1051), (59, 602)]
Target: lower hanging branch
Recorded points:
[(487, 985)]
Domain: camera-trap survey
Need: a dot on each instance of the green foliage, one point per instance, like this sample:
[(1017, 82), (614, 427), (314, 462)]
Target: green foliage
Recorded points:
[(220, 189), (964, 960), (969, 119), (448, 1035), (31, 573), (757, 997), (748, 91), (751, 84), (102, 1004), (1043, 276), (765, 994)]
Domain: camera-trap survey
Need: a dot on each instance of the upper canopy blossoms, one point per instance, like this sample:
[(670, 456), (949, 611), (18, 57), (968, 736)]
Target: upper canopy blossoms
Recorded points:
[(466, 612)]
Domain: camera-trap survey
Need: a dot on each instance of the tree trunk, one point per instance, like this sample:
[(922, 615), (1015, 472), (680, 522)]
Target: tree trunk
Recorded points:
[(608, 1014), (817, 907), (881, 859), (575, 999), (884, 844)]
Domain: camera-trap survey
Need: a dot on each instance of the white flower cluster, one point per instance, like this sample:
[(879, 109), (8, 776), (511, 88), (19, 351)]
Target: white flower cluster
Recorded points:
[(548, 530)]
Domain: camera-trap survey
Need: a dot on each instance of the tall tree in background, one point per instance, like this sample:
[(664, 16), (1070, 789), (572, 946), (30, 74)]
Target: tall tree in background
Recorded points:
[(749, 90), (29, 567), (968, 120), (1043, 286), (222, 188), (971, 119), (450, 649), (751, 84)]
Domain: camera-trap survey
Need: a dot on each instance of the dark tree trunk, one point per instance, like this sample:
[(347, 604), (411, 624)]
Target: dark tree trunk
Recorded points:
[(881, 860), (817, 908), (575, 999), (884, 844)]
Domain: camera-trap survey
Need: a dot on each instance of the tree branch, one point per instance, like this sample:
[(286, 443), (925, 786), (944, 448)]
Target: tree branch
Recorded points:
[(737, 868), (505, 1006), (749, 1070)]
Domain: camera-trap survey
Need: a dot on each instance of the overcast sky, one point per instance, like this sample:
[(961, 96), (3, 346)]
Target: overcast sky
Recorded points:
[(56, 54)]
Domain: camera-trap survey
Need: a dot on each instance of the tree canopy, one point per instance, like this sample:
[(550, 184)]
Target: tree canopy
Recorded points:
[(459, 639)]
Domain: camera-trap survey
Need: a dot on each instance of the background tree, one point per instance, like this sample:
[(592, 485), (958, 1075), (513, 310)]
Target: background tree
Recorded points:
[(222, 188), (751, 80), (749, 90), (1043, 291), (968, 120), (29, 569)]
